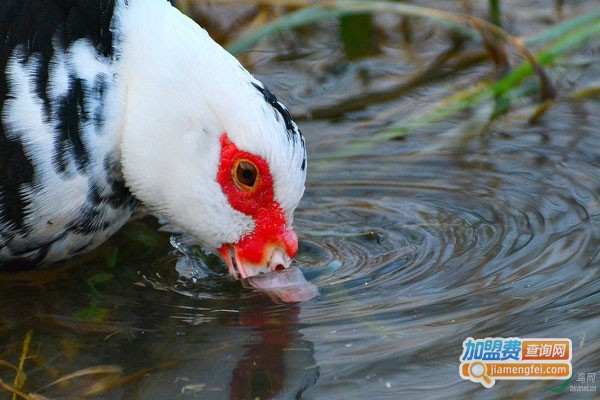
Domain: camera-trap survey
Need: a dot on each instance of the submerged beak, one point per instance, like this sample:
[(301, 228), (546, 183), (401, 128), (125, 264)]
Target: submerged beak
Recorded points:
[(250, 258)]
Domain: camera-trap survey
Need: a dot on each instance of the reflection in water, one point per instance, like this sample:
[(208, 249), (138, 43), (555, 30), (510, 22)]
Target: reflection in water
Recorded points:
[(280, 365), (288, 286), (241, 346), (245, 353)]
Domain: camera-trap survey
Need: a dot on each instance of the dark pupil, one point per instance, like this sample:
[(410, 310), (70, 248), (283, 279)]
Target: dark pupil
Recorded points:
[(246, 173)]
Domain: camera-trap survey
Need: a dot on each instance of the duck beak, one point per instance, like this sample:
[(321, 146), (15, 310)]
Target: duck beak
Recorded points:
[(249, 258), (240, 268)]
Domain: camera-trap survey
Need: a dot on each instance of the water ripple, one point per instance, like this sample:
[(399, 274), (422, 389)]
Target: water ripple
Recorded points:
[(443, 250)]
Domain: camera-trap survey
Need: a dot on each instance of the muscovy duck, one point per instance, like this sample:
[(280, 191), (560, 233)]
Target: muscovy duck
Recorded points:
[(108, 104)]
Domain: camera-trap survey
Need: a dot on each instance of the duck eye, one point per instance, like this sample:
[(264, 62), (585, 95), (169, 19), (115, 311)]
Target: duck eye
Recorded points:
[(245, 174)]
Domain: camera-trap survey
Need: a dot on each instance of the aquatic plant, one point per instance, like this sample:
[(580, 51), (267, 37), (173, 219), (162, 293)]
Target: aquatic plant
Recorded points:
[(538, 52)]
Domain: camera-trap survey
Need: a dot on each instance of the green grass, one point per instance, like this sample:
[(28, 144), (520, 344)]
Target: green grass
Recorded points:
[(551, 45)]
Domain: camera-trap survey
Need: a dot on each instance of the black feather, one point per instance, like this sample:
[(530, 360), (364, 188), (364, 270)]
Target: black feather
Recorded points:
[(31, 31), (292, 129)]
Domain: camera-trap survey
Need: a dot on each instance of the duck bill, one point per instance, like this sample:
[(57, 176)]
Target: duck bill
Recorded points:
[(249, 258)]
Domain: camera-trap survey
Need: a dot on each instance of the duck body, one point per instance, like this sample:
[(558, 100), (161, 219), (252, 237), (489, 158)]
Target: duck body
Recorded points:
[(106, 104), (61, 189)]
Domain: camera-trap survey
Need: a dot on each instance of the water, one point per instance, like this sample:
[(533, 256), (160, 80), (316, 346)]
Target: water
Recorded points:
[(461, 229)]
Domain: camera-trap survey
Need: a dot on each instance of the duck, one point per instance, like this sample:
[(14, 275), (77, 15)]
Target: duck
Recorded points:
[(110, 106)]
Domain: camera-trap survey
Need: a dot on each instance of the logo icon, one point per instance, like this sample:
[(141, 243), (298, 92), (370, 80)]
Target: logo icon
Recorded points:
[(486, 360)]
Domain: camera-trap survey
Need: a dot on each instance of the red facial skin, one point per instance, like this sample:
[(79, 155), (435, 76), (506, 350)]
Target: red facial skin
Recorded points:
[(271, 228)]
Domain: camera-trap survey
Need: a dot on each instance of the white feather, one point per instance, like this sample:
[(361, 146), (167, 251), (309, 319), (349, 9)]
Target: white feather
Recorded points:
[(25, 121), (171, 94), (183, 92)]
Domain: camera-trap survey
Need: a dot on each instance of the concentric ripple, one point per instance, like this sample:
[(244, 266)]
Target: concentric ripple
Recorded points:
[(455, 245)]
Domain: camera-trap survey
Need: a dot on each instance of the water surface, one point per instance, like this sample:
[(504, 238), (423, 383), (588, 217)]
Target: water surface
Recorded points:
[(460, 229)]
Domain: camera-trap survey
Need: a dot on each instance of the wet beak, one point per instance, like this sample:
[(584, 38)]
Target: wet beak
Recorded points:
[(275, 259), (265, 265)]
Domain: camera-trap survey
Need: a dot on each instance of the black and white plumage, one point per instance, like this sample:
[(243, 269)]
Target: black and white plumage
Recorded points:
[(110, 103)]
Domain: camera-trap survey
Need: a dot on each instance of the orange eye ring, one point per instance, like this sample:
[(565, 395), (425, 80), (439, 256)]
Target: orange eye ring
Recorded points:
[(245, 175)]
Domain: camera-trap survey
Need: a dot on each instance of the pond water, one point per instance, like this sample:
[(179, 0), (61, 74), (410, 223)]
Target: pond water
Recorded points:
[(461, 229)]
